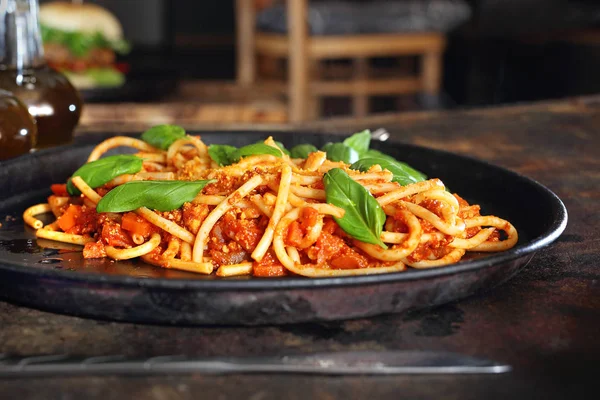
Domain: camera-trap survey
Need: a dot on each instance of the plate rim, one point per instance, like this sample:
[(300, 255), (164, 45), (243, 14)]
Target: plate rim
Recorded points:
[(555, 229)]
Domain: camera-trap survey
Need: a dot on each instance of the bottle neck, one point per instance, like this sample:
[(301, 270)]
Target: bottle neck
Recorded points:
[(20, 37)]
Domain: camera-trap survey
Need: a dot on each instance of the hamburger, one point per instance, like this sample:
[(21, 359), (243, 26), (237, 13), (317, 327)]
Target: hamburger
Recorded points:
[(82, 41)]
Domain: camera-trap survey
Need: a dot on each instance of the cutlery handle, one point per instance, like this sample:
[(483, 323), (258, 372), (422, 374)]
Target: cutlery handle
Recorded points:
[(342, 363)]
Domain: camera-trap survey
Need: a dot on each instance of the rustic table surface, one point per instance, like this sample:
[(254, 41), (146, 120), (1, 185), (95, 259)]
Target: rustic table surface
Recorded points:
[(545, 321)]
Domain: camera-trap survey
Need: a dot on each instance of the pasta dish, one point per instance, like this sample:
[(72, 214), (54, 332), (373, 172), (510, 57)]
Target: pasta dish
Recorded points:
[(263, 210)]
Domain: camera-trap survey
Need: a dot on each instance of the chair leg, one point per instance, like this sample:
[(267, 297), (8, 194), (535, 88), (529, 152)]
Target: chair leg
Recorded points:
[(431, 72), (316, 101), (245, 30), (360, 100), (297, 60)]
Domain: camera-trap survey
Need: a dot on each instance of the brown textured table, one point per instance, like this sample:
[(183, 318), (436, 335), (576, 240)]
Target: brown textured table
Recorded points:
[(545, 322)]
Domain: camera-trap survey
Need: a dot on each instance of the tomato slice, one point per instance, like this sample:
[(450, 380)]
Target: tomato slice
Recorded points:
[(59, 189)]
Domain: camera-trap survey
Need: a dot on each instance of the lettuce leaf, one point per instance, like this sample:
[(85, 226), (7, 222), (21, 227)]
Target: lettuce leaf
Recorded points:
[(80, 43)]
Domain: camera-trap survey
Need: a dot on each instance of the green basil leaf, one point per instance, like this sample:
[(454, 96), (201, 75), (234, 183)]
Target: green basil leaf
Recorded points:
[(340, 152), (302, 150), (359, 141), (162, 136), (403, 173), (254, 149), (156, 195), (372, 153), (364, 217), (99, 172), (221, 153), (282, 148)]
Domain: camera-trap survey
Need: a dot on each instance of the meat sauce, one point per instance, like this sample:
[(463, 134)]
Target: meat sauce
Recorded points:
[(329, 251), (237, 233)]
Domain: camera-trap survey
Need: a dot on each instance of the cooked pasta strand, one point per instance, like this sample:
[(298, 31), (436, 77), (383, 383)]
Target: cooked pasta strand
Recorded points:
[(244, 268), (282, 197), (138, 251), (213, 217), (31, 212), (87, 191), (120, 141), (63, 237)]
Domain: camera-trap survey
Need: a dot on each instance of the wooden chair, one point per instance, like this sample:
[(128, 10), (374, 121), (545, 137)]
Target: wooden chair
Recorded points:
[(304, 53)]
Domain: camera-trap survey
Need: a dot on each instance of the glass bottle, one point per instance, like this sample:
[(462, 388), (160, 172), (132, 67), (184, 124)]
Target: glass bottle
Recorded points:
[(17, 127), (49, 96)]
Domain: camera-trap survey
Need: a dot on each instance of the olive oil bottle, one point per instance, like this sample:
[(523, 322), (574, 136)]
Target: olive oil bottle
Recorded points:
[(17, 127), (48, 95)]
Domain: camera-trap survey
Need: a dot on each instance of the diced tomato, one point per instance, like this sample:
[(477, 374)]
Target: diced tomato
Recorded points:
[(269, 271), (269, 266), (69, 219), (59, 189), (135, 224), (348, 259), (294, 235), (328, 245), (298, 229), (329, 225), (246, 232), (113, 235), (78, 220), (308, 218), (333, 251)]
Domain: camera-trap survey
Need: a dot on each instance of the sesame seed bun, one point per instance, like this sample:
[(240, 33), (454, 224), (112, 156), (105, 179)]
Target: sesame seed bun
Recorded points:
[(86, 17)]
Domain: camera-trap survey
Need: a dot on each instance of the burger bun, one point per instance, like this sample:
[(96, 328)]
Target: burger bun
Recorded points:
[(86, 18)]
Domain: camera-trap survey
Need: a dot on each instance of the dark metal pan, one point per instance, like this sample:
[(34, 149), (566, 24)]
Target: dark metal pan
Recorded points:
[(52, 277)]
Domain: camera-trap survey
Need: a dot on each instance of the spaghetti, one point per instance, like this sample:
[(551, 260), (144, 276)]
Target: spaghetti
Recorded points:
[(267, 215)]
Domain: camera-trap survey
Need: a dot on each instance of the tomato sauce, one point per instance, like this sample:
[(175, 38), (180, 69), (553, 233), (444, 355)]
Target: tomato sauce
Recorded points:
[(193, 216), (333, 251), (113, 235), (269, 266)]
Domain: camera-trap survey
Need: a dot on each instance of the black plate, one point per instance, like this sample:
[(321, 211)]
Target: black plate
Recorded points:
[(139, 86), (60, 280)]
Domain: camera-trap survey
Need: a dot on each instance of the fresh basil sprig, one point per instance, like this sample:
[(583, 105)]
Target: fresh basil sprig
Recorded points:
[(364, 217), (372, 153), (282, 148), (359, 141), (340, 152), (221, 153), (351, 149), (162, 136), (99, 172), (224, 154), (253, 150), (156, 195), (302, 150), (403, 173)]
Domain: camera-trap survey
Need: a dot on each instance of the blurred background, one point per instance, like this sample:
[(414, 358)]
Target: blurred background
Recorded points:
[(506, 51), (443, 54)]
